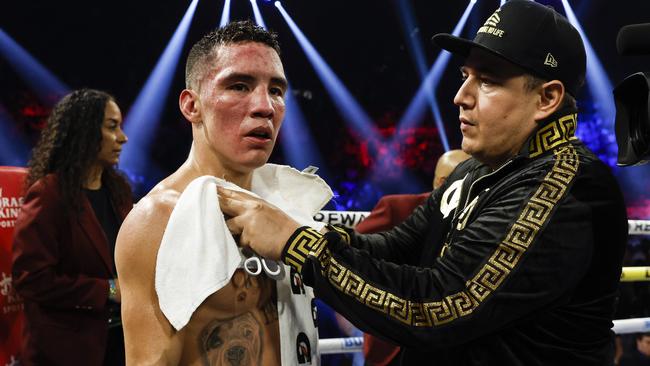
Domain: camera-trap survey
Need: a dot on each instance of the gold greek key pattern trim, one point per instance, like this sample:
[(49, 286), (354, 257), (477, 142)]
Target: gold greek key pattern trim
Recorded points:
[(505, 258), (554, 134), (300, 245), (344, 234)]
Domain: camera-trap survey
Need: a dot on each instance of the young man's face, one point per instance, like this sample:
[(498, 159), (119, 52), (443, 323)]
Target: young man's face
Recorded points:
[(496, 109), (242, 100)]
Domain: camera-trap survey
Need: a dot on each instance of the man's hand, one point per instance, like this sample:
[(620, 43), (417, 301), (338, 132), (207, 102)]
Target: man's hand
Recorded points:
[(260, 225)]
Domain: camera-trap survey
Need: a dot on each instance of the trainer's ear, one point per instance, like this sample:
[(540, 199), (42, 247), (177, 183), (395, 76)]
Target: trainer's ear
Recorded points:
[(190, 105), (551, 96)]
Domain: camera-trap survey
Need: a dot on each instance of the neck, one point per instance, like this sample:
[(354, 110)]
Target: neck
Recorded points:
[(205, 163), (94, 177), (561, 125)]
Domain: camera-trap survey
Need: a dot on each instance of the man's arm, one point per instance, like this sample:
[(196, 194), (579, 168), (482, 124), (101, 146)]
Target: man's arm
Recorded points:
[(526, 248), (495, 272), (266, 229), (148, 335)]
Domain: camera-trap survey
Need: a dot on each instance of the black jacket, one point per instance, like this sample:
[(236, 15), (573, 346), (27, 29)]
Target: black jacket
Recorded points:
[(518, 266)]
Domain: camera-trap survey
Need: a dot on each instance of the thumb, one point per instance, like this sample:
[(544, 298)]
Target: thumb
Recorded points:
[(235, 226)]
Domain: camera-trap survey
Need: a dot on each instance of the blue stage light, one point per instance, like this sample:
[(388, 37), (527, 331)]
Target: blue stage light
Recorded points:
[(296, 141), (345, 103), (600, 88), (598, 82), (258, 15), (225, 14), (426, 92), (143, 118), (41, 81), (14, 150)]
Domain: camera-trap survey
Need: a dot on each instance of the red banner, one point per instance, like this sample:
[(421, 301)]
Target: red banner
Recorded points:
[(11, 305)]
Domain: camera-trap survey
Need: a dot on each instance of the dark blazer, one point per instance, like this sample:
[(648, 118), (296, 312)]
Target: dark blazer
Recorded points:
[(61, 265)]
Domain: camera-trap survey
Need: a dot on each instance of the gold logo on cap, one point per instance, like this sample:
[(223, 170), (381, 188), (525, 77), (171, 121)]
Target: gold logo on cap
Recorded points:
[(550, 60), (493, 20), (490, 26)]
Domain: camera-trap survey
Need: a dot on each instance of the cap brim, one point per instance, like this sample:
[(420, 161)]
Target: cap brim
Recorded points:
[(453, 44), (462, 47)]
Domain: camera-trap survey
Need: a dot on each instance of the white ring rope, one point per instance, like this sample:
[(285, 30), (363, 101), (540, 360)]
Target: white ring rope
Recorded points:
[(355, 344), (328, 346), (352, 218)]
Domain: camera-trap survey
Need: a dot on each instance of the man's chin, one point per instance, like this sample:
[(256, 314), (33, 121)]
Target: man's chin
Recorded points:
[(254, 162), (467, 146)]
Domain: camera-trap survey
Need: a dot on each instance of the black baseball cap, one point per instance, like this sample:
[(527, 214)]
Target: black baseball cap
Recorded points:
[(532, 36)]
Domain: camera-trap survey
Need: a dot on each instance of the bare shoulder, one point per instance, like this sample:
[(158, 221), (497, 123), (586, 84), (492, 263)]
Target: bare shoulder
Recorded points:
[(148, 336), (142, 230)]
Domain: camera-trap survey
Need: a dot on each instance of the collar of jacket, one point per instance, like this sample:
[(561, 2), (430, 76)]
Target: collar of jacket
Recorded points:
[(558, 129), (551, 133)]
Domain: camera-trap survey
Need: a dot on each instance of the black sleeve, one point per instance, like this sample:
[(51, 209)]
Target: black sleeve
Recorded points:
[(523, 250), (401, 244)]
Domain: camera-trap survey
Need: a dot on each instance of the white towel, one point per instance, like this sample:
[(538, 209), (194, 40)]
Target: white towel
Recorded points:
[(198, 255)]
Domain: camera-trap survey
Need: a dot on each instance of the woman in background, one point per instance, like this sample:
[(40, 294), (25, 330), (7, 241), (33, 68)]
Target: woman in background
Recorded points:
[(65, 236)]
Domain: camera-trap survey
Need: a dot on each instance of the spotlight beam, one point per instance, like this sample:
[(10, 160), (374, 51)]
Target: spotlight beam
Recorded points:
[(410, 28), (411, 32), (144, 116), (41, 81), (598, 82), (258, 15), (225, 14), (296, 141), (415, 110), (14, 150), (348, 108)]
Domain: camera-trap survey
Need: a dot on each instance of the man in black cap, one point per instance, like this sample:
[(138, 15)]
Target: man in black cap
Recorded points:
[(515, 260)]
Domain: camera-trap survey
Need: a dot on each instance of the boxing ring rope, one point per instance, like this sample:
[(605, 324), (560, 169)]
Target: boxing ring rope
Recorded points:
[(355, 344)]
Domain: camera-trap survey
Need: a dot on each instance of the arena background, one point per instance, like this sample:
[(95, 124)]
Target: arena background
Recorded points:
[(367, 61), (370, 46)]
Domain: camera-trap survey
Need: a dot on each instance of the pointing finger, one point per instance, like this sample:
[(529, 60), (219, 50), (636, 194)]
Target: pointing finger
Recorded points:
[(235, 194)]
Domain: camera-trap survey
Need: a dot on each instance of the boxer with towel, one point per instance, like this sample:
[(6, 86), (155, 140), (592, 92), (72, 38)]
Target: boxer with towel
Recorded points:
[(185, 297)]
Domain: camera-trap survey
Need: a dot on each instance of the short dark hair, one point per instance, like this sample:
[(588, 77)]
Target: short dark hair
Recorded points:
[(533, 82), (204, 50)]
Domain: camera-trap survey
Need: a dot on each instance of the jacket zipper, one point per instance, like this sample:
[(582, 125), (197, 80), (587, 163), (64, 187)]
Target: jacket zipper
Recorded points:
[(458, 212)]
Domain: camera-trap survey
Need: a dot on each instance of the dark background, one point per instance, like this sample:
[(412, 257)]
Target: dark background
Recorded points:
[(114, 45)]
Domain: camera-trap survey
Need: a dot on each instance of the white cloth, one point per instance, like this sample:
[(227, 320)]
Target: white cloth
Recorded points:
[(198, 255)]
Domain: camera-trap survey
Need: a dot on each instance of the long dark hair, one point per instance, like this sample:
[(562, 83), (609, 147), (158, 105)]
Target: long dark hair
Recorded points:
[(69, 146)]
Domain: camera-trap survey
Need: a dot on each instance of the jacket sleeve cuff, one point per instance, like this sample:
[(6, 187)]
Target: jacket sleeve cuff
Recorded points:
[(301, 243)]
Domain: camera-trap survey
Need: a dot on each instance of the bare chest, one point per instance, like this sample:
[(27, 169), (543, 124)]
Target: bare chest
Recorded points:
[(237, 325)]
